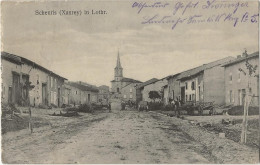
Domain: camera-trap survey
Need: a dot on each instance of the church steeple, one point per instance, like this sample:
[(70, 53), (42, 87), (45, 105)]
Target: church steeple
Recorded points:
[(118, 63), (118, 69)]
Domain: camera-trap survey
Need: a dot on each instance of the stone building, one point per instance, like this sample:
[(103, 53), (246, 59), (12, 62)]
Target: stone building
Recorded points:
[(119, 81), (103, 94), (82, 94), (204, 83), (129, 92), (140, 89), (236, 82), (154, 86), (18, 71)]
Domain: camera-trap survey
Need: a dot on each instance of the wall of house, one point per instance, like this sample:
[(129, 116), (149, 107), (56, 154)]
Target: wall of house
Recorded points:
[(7, 77), (129, 92), (157, 86), (103, 94), (191, 94), (234, 88), (37, 77), (75, 95), (66, 95), (174, 88), (166, 95), (214, 88)]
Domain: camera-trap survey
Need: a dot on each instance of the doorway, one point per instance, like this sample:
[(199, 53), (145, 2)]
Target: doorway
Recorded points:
[(15, 88), (44, 93), (183, 94)]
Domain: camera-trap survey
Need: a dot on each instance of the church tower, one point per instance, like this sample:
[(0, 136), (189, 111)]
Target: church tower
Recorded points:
[(118, 69)]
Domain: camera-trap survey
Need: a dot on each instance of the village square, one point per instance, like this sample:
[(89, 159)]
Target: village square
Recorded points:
[(108, 89)]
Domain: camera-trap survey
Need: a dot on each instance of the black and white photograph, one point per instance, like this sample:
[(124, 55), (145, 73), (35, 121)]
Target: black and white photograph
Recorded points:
[(130, 82)]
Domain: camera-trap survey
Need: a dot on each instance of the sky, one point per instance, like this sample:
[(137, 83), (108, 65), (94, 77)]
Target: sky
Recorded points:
[(84, 48)]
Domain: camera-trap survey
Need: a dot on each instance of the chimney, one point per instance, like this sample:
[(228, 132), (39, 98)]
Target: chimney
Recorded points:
[(239, 56)]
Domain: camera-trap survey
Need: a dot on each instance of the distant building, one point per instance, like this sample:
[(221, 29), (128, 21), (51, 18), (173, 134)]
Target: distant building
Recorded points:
[(18, 71), (236, 82), (82, 94), (204, 83), (119, 81), (154, 86), (103, 94), (140, 89), (129, 92)]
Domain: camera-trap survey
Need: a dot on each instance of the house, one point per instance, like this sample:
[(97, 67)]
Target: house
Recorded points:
[(140, 89), (18, 71), (154, 86), (103, 94), (82, 94), (129, 92), (204, 83), (66, 94), (236, 82), (119, 81)]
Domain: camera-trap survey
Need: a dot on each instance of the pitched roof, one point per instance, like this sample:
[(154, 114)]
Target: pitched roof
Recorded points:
[(147, 82), (131, 84), (22, 60), (82, 87), (130, 80), (240, 59), (124, 79), (11, 57), (195, 71)]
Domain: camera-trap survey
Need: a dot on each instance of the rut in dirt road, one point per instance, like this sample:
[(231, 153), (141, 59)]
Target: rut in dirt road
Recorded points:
[(122, 137), (129, 137)]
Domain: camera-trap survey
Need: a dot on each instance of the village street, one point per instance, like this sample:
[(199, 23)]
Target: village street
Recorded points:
[(123, 137), (117, 137)]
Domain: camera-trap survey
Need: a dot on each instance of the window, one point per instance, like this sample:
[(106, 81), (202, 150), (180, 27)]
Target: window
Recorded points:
[(230, 77), (131, 90), (238, 77), (38, 79), (55, 85), (76, 92), (186, 85), (186, 97), (131, 96), (190, 97), (51, 82), (193, 85), (117, 89)]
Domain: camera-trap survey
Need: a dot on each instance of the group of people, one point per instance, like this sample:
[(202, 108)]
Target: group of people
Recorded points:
[(176, 104)]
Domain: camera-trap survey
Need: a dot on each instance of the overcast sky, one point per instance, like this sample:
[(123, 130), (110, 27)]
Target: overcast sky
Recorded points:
[(84, 48)]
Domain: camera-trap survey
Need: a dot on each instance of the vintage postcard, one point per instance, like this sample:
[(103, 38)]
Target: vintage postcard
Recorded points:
[(130, 82)]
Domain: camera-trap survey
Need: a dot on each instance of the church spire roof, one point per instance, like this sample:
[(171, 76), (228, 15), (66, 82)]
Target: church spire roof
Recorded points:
[(118, 64)]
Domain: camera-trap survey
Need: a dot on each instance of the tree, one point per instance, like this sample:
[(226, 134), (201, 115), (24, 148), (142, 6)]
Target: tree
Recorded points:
[(153, 95), (249, 73)]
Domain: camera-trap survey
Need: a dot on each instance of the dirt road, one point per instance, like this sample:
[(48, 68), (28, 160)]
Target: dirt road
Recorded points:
[(122, 137)]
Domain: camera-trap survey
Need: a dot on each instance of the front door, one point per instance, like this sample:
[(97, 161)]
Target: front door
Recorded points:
[(88, 97), (58, 97), (183, 94), (44, 94), (16, 91)]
